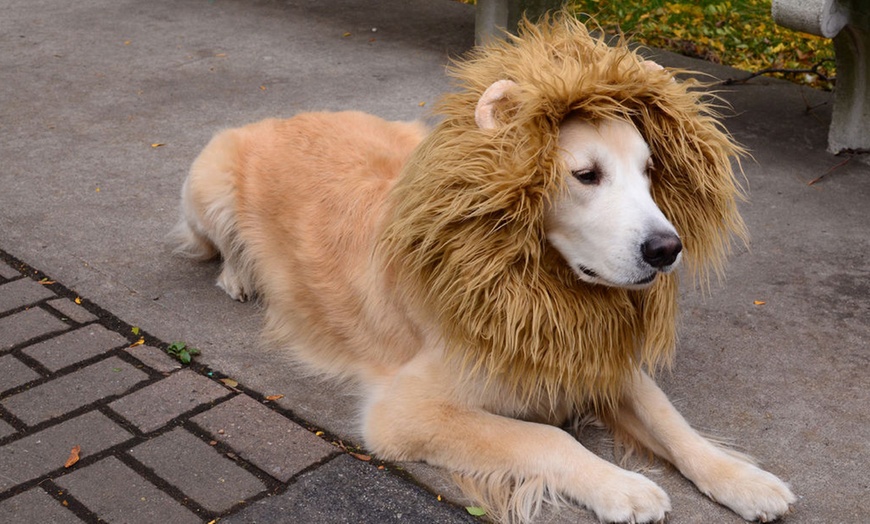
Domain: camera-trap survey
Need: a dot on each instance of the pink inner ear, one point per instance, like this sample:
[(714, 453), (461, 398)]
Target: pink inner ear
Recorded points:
[(484, 113)]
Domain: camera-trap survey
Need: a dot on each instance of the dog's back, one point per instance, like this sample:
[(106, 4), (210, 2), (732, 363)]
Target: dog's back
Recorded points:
[(294, 207)]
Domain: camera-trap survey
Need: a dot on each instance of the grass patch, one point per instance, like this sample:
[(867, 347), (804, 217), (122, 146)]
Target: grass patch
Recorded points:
[(738, 33)]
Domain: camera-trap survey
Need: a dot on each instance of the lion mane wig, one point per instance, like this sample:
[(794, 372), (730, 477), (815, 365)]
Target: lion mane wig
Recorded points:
[(465, 234)]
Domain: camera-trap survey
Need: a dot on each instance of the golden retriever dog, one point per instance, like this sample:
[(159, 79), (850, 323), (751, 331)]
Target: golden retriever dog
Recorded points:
[(486, 282)]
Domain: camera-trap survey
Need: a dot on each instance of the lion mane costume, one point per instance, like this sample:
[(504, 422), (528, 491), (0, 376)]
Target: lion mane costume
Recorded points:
[(465, 234)]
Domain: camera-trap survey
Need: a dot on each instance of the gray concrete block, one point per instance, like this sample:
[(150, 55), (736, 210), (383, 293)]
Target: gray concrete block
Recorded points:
[(154, 358), (22, 292), (97, 487), (349, 491), (13, 373), (155, 405), (5, 429), (272, 442), (198, 470), (52, 399), (8, 272), (72, 310), (67, 349), (47, 450), (35, 505), (25, 325)]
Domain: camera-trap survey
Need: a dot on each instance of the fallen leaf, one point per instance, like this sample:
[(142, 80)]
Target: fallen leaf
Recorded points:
[(439, 498), (318, 433), (138, 342), (360, 456), (421, 104), (135, 330), (262, 88), (97, 190), (127, 42), (477, 511), (274, 397), (78, 300), (759, 302), (73, 456), (46, 282), (157, 144), (346, 35), (220, 55), (230, 382)]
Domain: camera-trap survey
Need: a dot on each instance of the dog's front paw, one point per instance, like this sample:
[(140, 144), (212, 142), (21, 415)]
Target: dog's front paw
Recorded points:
[(629, 497), (748, 490)]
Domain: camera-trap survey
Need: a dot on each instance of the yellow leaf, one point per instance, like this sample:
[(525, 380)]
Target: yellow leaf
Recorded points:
[(97, 190), (127, 42), (73, 456), (274, 397), (759, 302), (78, 300), (262, 88), (138, 342), (157, 144), (421, 104), (319, 433), (346, 35), (229, 382)]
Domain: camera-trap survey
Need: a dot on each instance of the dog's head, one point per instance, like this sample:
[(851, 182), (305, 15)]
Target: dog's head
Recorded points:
[(604, 222)]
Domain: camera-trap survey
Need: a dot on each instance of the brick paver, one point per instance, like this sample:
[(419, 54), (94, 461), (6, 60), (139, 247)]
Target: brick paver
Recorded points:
[(272, 442), (72, 310), (7, 271), (13, 373), (22, 292), (154, 358), (72, 347), (35, 506), (108, 377), (198, 470), (153, 406), (356, 491), (137, 498), (5, 429), (26, 325), (47, 450)]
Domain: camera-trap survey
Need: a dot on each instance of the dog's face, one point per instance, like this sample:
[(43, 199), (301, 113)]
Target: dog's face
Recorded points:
[(606, 225)]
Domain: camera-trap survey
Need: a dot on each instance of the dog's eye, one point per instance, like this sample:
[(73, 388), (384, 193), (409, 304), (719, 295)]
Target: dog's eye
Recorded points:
[(587, 177)]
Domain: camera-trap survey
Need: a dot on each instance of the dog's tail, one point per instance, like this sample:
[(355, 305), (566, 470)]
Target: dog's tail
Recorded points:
[(207, 225)]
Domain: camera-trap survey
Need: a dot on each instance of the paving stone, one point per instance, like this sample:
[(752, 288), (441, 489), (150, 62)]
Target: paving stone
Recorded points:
[(72, 310), (27, 324), (116, 493), (348, 491), (198, 470), (47, 450), (276, 444), (22, 292), (5, 429), (51, 399), (7, 271), (13, 373), (35, 506), (153, 406), (154, 358), (67, 349)]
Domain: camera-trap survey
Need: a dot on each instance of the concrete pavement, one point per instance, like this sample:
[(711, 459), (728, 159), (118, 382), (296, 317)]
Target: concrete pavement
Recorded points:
[(103, 105)]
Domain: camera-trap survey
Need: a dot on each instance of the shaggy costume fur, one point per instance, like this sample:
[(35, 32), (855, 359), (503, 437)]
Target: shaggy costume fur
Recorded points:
[(466, 231)]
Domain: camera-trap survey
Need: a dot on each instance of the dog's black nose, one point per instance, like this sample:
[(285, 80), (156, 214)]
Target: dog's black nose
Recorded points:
[(661, 249)]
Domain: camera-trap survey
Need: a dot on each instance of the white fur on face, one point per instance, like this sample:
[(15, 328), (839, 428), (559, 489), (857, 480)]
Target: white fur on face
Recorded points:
[(600, 224)]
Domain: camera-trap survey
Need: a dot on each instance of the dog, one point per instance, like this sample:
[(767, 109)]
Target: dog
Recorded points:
[(486, 281)]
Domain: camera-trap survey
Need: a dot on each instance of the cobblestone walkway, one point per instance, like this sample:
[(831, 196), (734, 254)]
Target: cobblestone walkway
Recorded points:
[(158, 441)]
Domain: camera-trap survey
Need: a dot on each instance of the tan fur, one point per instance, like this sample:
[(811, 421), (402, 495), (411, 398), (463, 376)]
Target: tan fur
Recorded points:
[(417, 265)]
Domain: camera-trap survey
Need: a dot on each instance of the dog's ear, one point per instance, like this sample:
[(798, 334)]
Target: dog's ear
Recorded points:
[(494, 104)]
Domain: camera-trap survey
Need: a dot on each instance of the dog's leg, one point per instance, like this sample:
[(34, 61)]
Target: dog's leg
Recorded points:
[(413, 418), (648, 416)]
